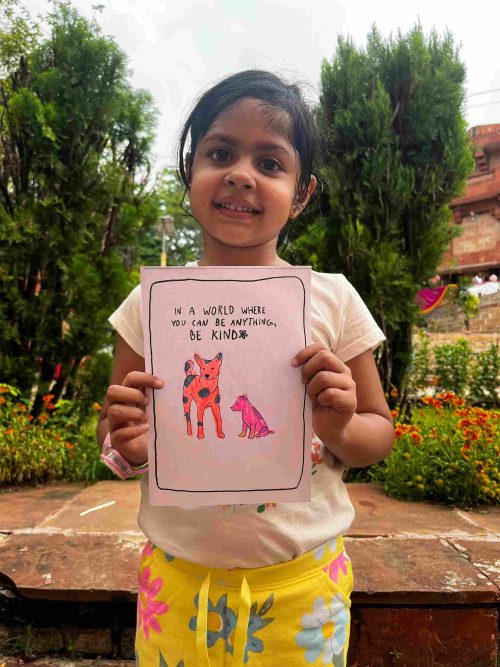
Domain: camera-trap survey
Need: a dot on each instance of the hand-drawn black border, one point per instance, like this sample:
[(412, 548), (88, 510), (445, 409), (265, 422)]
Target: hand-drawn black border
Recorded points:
[(229, 280)]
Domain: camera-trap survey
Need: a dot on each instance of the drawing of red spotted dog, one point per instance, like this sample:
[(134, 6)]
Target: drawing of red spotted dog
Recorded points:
[(203, 389)]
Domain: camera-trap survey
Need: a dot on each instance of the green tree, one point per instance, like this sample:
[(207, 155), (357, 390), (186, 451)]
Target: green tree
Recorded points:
[(74, 159), (396, 153), (467, 302)]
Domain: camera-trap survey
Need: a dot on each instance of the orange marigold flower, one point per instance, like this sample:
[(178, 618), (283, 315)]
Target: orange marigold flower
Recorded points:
[(4, 390), (2, 400), (394, 413), (458, 401), (398, 431), (9, 431), (97, 407), (69, 445), (50, 406), (394, 392), (416, 437), (42, 418), (46, 398)]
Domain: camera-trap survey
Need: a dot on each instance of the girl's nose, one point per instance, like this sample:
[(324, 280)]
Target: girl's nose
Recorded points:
[(240, 177)]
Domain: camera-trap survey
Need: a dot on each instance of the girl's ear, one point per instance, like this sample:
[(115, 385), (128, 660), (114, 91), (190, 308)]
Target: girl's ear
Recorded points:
[(300, 203)]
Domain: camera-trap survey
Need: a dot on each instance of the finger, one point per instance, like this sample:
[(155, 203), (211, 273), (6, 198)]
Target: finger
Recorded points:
[(340, 400), (121, 414), (122, 436), (140, 379), (130, 441), (117, 393), (324, 360), (327, 380), (307, 352)]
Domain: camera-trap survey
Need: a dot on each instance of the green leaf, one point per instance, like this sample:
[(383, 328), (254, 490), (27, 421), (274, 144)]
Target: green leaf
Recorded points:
[(267, 605)]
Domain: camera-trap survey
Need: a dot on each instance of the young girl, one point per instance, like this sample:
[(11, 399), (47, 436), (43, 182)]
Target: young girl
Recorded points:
[(246, 584)]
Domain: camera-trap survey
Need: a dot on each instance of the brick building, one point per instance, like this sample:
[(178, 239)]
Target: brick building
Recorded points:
[(477, 211), (477, 250)]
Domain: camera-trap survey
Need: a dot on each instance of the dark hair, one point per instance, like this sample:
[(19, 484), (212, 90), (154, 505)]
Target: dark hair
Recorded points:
[(300, 126)]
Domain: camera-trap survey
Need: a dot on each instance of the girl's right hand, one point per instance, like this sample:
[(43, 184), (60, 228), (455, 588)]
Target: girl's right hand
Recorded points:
[(126, 413)]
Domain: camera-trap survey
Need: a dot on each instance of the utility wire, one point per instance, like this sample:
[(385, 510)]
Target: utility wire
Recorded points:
[(485, 92), (485, 104)]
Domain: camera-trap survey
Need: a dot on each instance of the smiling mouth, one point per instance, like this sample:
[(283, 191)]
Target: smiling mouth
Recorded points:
[(239, 209)]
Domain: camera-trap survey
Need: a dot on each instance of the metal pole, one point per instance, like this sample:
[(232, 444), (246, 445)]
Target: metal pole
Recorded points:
[(163, 261)]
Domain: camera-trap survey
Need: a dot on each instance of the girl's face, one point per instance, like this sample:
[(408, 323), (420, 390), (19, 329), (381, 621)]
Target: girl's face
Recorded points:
[(243, 185)]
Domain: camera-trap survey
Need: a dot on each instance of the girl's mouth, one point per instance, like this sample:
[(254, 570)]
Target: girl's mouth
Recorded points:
[(237, 212)]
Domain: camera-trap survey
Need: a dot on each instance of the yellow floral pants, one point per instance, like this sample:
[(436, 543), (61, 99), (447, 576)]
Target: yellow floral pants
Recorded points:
[(294, 613)]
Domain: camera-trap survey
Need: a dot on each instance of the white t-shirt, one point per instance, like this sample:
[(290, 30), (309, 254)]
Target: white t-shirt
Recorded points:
[(258, 535)]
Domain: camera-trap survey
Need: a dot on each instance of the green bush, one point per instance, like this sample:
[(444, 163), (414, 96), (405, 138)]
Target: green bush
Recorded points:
[(475, 376), (449, 454), (453, 366), (90, 384), (485, 373), (421, 366), (49, 447)]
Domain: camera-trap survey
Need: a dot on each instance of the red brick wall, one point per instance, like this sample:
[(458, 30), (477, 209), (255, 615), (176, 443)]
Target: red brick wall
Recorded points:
[(479, 242), (448, 318)]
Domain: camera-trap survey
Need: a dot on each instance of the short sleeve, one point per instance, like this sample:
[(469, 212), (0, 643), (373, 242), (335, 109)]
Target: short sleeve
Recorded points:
[(358, 330), (126, 320)]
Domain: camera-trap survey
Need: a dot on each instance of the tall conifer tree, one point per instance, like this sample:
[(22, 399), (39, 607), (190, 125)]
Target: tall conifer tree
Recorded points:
[(396, 154), (75, 140)]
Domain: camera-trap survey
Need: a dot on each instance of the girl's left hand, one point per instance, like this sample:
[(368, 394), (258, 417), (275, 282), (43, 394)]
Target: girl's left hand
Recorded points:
[(331, 389)]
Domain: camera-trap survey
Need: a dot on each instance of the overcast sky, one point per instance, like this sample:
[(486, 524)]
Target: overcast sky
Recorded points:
[(178, 49)]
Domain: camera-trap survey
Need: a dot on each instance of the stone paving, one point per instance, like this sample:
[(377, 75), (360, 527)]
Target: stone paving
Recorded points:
[(420, 565)]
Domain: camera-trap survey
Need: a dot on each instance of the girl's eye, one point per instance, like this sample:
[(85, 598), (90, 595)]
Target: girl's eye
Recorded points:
[(219, 155), (269, 164)]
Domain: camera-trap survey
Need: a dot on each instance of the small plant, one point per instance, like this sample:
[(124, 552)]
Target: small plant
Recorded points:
[(467, 302), (453, 366), (421, 366), (48, 447), (449, 454), (485, 378)]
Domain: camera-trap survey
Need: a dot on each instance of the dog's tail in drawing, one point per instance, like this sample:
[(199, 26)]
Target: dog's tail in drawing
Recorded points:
[(263, 431), (188, 367)]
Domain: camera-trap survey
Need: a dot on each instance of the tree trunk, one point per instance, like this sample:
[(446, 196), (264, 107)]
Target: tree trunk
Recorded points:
[(401, 345), (45, 378)]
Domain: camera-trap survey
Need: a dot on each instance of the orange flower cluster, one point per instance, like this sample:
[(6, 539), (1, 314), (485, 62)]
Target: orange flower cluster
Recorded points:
[(408, 429), (47, 400), (445, 398), (434, 402), (477, 425)]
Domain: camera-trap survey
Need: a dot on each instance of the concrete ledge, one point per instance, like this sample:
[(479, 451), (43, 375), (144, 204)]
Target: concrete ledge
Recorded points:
[(426, 578)]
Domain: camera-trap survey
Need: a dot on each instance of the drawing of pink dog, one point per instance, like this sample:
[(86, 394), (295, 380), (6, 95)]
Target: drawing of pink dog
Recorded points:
[(252, 419)]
